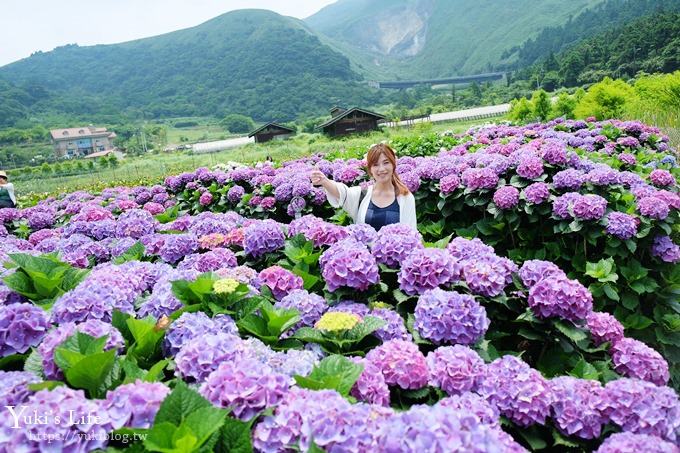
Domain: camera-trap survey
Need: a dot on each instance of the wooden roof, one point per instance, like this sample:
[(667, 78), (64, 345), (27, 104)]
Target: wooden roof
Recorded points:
[(271, 123), (347, 112)]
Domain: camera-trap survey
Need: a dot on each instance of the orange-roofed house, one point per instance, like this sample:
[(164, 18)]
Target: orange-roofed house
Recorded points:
[(81, 141)]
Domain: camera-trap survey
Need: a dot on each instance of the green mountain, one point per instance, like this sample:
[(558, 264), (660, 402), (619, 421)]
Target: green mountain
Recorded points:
[(253, 62), (436, 38), (650, 44)]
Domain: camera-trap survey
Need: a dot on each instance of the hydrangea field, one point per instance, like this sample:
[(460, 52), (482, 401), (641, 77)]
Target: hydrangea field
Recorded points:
[(537, 307)]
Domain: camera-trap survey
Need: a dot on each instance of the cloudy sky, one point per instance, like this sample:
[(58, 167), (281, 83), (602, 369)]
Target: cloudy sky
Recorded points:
[(30, 25)]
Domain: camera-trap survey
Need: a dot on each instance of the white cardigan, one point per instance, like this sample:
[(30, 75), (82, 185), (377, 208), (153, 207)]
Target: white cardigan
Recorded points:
[(10, 189), (349, 201)]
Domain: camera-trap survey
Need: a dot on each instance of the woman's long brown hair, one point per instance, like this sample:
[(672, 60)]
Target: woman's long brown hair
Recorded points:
[(372, 159)]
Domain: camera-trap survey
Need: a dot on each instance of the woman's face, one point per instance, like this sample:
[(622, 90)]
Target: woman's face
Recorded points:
[(3, 181), (382, 170)]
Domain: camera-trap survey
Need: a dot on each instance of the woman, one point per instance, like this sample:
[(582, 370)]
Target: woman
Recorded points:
[(387, 201), (7, 198)]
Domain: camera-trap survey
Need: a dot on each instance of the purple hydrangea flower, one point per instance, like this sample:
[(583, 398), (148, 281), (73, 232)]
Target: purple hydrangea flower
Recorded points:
[(177, 246), (309, 306), (488, 275), (569, 179), (563, 205), (246, 386), (479, 178), (621, 225), (653, 207), (22, 325), (635, 443), (604, 328), (362, 232), (556, 296), (508, 377), (474, 405), (205, 199), (633, 358), (280, 281), (263, 237), (554, 152), (235, 194), (192, 325), (530, 168), (394, 243), (162, 300), (641, 407), (627, 159), (666, 250), (578, 406), (427, 268), (200, 356), (401, 363), (14, 387), (448, 184), (102, 292), (590, 207), (450, 317), (441, 428), (394, 327), (209, 261), (506, 197), (371, 386), (67, 434), (134, 405), (533, 271), (349, 264), (661, 178), (455, 369), (536, 193), (135, 223)]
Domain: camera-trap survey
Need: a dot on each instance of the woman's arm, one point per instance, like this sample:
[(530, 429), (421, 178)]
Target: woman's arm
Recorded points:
[(410, 217), (338, 194)]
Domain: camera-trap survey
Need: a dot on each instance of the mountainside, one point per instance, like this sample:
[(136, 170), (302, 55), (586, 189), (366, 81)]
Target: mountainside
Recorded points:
[(436, 38), (606, 16), (650, 44), (254, 62)]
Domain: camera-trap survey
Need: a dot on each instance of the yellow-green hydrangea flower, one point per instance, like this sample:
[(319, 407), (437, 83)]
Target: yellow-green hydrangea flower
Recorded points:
[(334, 321), (377, 304), (225, 286)]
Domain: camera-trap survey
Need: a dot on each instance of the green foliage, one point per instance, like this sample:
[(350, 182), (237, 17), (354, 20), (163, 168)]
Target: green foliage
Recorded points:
[(521, 110), (605, 100), (238, 124), (85, 363), (187, 422), (200, 294), (355, 341), (564, 106), (542, 105), (42, 278), (334, 372), (617, 52), (270, 324)]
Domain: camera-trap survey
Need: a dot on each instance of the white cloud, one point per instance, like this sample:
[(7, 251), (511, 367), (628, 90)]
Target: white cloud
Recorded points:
[(30, 25)]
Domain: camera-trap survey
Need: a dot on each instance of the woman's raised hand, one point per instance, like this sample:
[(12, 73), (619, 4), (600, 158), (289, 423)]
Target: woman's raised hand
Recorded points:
[(317, 177)]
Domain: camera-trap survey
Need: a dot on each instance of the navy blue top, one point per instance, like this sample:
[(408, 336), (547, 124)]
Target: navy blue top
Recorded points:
[(379, 217)]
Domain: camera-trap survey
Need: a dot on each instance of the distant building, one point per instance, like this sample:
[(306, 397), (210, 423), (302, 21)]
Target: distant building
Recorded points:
[(271, 131), (105, 153), (81, 141), (350, 121)]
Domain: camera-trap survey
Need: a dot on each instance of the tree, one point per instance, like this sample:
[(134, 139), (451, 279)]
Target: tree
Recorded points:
[(564, 106), (606, 99), (542, 105), (520, 110), (238, 124)]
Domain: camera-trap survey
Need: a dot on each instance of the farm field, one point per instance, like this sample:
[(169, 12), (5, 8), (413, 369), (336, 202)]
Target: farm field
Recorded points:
[(232, 308)]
